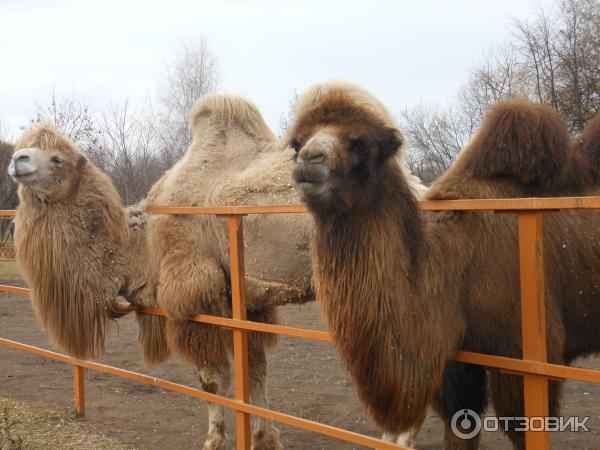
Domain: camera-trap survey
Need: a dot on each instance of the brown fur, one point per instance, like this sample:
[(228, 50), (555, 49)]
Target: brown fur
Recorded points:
[(586, 153), (404, 290), (80, 252), (69, 245), (522, 141), (234, 159)]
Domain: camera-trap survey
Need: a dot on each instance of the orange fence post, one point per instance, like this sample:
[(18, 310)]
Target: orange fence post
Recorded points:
[(240, 337), (79, 389), (533, 321)]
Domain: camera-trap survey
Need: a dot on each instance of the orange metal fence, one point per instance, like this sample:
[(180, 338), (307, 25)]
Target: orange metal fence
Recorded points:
[(533, 367), (7, 250)]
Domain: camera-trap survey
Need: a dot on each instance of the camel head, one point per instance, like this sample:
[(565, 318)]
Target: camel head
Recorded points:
[(342, 142), (47, 163)]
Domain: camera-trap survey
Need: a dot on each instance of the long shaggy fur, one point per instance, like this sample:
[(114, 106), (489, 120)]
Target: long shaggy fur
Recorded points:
[(233, 159), (586, 149), (403, 291), (71, 251), (80, 250)]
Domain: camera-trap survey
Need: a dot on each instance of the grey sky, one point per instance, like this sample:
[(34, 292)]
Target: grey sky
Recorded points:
[(403, 51)]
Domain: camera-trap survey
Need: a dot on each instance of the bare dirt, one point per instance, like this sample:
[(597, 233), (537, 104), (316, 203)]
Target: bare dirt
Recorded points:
[(306, 380)]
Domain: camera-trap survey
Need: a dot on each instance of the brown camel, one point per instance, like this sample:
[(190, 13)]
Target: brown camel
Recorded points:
[(403, 290)]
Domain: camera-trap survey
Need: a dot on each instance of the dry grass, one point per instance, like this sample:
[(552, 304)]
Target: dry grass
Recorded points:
[(30, 426), (9, 271)]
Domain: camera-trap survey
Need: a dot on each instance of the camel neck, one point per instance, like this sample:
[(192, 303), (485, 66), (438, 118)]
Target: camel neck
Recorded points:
[(366, 275), (391, 215)]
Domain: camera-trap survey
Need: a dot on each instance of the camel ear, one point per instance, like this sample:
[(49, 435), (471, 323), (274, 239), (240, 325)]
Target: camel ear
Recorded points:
[(522, 140), (389, 142), (81, 162)]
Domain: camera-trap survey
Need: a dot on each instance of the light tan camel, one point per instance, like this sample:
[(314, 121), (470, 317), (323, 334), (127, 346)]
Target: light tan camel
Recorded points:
[(81, 253), (403, 290)]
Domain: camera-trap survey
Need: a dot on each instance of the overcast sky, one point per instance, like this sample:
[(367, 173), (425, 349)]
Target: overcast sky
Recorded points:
[(403, 51)]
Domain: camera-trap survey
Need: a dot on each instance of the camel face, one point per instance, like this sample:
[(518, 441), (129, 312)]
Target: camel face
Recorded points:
[(45, 171), (315, 164), (340, 148)]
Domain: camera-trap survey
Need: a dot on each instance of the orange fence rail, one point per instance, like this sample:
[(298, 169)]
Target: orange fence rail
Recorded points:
[(533, 367)]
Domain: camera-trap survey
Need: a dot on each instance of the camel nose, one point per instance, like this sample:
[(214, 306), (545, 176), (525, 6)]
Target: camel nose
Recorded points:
[(311, 156), (22, 158)]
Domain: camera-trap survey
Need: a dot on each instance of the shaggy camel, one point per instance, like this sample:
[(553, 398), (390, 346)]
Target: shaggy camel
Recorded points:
[(403, 290), (80, 252)]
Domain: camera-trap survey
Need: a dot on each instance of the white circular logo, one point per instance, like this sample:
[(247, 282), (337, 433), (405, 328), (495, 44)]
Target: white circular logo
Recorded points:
[(465, 424)]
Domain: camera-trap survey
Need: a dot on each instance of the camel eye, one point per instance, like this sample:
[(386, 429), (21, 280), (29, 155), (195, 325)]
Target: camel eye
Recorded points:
[(358, 145), (295, 145), (57, 160)]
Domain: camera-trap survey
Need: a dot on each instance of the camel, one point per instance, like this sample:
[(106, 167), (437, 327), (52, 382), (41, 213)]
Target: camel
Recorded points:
[(79, 250), (403, 290)]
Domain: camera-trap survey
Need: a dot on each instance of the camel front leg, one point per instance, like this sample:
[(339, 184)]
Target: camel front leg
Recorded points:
[(262, 294), (406, 438), (215, 380), (264, 435)]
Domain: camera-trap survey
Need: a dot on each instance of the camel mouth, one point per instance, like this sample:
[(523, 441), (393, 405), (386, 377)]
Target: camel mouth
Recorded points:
[(311, 189), (311, 180), (22, 172)]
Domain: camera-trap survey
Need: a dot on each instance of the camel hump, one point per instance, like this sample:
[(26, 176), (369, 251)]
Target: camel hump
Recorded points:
[(228, 109), (523, 140), (589, 142)]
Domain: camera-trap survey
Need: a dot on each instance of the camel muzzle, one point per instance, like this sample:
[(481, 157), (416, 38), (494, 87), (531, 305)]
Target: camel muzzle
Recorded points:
[(21, 168)]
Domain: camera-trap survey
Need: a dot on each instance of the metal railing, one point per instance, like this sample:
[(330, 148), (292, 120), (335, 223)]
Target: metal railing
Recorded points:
[(533, 367)]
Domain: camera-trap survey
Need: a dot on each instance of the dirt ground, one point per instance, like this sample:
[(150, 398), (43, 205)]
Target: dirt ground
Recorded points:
[(306, 380)]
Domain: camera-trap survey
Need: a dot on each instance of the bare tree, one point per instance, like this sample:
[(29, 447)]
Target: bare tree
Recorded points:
[(8, 189), (286, 118), (192, 73), (435, 136), (128, 151), (553, 59), (560, 51), (71, 115)]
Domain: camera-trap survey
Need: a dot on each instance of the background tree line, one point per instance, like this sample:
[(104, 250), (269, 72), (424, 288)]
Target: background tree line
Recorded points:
[(552, 58), (134, 146)]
